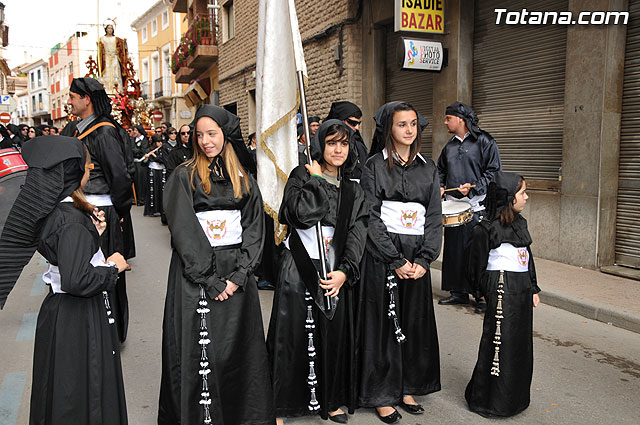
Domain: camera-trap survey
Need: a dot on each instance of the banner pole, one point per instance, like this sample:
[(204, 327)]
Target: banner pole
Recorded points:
[(319, 237)]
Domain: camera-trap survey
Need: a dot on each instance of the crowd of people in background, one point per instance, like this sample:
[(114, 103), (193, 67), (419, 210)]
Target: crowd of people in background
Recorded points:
[(352, 323), (13, 136)]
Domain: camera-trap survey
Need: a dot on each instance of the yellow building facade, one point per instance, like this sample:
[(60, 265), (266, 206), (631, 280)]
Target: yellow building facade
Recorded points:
[(196, 57), (159, 30)]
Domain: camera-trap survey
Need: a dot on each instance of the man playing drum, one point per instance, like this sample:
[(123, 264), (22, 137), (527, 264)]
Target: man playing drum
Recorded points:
[(467, 162)]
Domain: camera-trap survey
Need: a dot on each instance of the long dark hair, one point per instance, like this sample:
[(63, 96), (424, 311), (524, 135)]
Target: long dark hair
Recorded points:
[(388, 136), (79, 201), (507, 214)]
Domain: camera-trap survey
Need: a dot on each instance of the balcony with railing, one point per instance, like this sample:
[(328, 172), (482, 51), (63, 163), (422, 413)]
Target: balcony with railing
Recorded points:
[(145, 90), (197, 49), (162, 87)]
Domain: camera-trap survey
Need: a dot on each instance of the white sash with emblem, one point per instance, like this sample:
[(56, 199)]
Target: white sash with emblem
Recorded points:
[(221, 227), (308, 238), (52, 276), (406, 218), (509, 258)]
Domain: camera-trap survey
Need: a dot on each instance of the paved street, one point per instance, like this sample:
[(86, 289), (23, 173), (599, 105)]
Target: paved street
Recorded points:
[(585, 372)]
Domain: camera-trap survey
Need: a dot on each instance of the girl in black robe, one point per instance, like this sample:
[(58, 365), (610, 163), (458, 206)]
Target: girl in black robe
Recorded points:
[(398, 339), (318, 193), (501, 270), (214, 358), (77, 375), (156, 177)]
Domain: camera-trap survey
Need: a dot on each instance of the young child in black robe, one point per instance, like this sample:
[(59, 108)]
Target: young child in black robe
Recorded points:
[(398, 336), (77, 375), (323, 379), (501, 270)]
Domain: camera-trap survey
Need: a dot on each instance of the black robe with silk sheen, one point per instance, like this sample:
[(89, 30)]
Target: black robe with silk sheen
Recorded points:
[(77, 375), (390, 370), (140, 148), (508, 393), (110, 176), (306, 201), (156, 179), (472, 161), (361, 150), (239, 381), (177, 156)]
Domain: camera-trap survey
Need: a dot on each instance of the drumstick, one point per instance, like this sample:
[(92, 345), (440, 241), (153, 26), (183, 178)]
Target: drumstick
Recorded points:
[(457, 188)]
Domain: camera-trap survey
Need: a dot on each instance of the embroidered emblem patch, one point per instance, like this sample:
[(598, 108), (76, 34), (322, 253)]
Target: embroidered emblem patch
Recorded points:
[(6, 162), (328, 241), (216, 229), (408, 218), (523, 256)]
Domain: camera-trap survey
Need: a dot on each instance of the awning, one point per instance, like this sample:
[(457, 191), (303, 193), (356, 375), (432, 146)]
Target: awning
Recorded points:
[(197, 92)]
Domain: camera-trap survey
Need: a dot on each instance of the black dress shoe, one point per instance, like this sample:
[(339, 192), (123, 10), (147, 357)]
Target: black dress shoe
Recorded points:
[(390, 419), (481, 307), (340, 418), (452, 300), (414, 409)]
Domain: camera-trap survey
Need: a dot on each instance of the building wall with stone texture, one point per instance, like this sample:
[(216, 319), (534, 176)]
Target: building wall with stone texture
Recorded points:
[(325, 27)]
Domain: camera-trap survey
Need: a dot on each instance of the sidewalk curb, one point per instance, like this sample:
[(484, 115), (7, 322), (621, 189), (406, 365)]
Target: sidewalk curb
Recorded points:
[(589, 309), (593, 310)]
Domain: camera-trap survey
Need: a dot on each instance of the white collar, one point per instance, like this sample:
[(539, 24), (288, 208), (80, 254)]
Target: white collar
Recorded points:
[(465, 136), (385, 155)]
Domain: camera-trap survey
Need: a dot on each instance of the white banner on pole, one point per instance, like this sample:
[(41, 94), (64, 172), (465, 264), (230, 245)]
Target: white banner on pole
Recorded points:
[(279, 57)]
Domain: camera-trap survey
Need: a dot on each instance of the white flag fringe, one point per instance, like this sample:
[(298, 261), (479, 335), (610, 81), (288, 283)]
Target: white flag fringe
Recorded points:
[(279, 57)]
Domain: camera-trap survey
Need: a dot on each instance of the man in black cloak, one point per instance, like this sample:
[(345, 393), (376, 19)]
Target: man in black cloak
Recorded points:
[(165, 130), (109, 186), (24, 132), (314, 124), (467, 163)]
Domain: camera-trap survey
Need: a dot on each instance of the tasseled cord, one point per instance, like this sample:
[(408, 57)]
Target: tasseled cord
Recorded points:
[(495, 370), (203, 341), (391, 286), (107, 305), (312, 379), (151, 188)]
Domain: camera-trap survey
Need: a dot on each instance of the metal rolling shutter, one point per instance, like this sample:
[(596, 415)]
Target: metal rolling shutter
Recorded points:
[(415, 87), (518, 88), (627, 218)]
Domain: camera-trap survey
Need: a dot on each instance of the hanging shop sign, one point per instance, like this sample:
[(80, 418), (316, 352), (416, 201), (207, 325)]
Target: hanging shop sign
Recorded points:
[(422, 55), (419, 16)]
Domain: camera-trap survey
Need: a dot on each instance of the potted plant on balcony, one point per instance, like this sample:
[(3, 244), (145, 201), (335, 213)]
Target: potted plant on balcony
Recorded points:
[(188, 46), (203, 30), (174, 65)]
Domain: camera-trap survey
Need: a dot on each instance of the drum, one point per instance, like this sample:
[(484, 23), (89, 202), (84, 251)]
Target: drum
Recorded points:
[(11, 162), (13, 172), (456, 213)]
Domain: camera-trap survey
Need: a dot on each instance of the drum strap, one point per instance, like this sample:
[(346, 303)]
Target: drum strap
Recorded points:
[(91, 129)]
